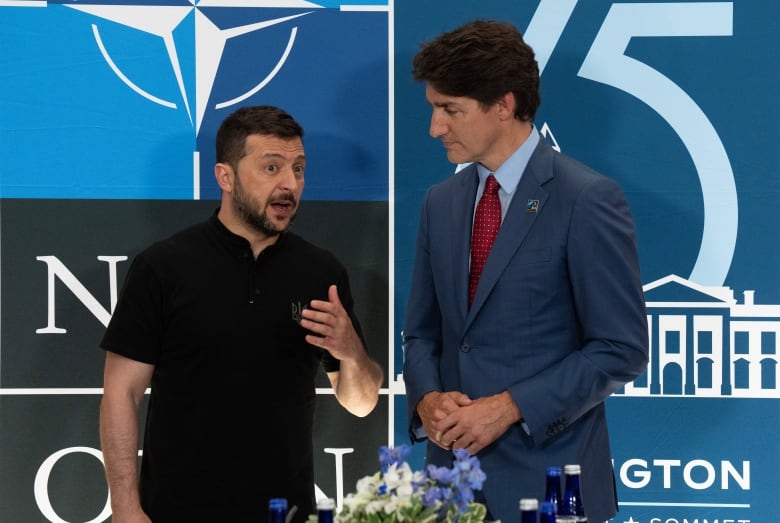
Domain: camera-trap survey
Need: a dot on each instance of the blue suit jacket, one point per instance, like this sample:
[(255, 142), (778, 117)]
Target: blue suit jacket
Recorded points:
[(558, 320)]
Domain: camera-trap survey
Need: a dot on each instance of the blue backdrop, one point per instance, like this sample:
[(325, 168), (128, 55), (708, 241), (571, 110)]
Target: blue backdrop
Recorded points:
[(676, 101)]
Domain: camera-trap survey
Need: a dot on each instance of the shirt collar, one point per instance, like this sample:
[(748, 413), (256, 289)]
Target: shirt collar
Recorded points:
[(509, 173), (238, 244)]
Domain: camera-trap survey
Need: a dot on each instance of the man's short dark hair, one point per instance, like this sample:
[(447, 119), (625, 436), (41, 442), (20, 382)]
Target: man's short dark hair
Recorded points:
[(246, 121), (483, 59)]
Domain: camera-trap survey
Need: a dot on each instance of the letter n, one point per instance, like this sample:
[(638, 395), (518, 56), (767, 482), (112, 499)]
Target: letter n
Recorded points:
[(56, 269)]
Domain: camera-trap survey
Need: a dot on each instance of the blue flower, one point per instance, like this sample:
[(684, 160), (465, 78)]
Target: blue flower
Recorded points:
[(440, 474), (392, 456)]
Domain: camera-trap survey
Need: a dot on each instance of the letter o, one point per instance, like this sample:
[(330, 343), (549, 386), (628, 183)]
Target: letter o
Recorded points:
[(688, 474), (41, 485)]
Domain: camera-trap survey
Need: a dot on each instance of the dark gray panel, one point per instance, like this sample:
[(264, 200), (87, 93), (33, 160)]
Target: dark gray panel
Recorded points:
[(76, 232)]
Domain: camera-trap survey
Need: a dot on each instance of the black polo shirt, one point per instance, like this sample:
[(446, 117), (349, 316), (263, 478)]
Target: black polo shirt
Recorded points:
[(231, 410)]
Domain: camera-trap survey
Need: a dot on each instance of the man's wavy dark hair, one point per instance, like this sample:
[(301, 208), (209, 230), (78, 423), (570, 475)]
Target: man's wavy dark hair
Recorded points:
[(483, 59)]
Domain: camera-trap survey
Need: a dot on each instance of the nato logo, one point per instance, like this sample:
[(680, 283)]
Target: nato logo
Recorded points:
[(129, 94)]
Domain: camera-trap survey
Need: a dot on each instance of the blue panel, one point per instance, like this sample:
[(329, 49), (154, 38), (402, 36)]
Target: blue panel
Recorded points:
[(106, 101), (677, 102)]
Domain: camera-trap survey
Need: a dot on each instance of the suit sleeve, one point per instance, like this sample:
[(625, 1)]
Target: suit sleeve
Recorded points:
[(422, 330), (609, 308)]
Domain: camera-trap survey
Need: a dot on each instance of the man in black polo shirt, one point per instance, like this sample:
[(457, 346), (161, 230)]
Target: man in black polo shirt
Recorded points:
[(229, 322)]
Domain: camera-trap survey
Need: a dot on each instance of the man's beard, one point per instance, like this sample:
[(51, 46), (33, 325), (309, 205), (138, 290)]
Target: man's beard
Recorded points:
[(258, 220)]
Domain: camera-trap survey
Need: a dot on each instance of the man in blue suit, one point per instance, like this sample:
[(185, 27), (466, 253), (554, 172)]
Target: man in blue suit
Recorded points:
[(557, 323)]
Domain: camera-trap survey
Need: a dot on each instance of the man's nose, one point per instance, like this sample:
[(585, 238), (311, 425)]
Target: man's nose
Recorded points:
[(438, 127), (289, 179)]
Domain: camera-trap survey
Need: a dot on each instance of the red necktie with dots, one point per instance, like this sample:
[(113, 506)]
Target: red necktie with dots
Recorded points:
[(487, 221)]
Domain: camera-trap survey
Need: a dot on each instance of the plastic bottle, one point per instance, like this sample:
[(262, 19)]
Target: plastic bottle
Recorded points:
[(547, 512), (552, 492), (325, 509), (529, 510), (572, 506), (277, 510)]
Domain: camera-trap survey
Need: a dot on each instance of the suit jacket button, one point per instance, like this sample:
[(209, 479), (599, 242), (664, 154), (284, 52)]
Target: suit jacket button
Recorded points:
[(465, 348)]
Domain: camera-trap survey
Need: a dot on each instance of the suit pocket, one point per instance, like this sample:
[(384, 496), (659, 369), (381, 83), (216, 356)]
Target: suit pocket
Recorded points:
[(531, 256)]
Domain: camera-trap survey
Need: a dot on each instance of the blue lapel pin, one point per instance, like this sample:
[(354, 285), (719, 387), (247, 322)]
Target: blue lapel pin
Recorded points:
[(532, 206)]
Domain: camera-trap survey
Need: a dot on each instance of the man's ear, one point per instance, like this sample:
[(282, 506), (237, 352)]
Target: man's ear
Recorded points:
[(223, 173), (506, 106)]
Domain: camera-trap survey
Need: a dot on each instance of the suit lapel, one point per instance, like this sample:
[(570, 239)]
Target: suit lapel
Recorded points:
[(527, 203), (461, 213)]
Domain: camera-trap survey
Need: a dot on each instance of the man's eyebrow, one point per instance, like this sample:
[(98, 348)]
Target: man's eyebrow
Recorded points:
[(445, 104), (283, 157)]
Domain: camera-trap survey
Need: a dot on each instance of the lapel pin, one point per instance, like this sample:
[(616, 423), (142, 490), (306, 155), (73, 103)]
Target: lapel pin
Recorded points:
[(532, 206)]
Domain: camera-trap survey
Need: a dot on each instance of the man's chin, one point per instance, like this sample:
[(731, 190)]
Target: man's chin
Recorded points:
[(271, 227), (283, 225), (456, 158)]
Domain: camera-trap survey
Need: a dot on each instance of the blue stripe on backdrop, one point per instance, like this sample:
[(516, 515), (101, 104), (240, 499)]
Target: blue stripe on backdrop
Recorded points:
[(108, 101)]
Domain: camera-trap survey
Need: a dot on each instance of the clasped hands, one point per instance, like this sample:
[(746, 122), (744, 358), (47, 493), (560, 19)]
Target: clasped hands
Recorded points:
[(453, 420)]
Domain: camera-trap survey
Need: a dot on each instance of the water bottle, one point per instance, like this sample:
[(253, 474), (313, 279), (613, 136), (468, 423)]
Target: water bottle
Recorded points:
[(552, 492), (572, 507), (547, 512), (529, 510), (325, 509), (277, 510)]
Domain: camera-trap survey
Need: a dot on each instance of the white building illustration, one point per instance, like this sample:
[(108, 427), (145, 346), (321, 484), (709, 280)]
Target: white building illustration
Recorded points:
[(704, 343)]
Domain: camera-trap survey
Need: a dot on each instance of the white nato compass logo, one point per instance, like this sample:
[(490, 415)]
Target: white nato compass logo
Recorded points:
[(162, 18), (162, 21)]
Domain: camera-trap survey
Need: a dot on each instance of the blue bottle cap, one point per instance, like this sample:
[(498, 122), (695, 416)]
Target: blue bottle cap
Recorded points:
[(277, 504)]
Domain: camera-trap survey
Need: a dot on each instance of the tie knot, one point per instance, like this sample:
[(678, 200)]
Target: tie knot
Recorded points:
[(491, 185)]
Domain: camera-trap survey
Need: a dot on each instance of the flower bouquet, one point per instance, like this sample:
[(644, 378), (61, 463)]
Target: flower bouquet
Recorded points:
[(396, 494)]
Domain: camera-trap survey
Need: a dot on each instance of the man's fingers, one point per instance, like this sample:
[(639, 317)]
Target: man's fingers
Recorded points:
[(333, 295)]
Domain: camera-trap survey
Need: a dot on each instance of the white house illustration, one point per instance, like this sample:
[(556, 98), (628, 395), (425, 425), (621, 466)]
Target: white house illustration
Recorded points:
[(704, 343)]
